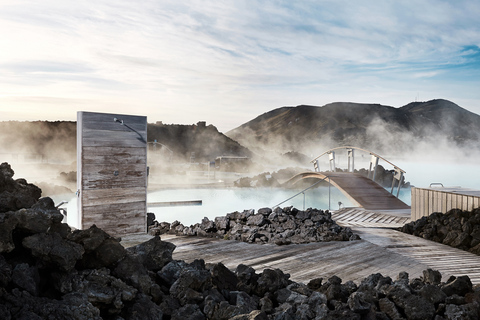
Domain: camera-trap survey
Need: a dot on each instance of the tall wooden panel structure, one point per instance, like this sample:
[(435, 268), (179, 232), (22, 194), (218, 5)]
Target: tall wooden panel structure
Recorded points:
[(111, 172)]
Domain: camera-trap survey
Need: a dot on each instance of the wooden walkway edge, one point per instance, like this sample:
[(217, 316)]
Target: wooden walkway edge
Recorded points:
[(381, 250)]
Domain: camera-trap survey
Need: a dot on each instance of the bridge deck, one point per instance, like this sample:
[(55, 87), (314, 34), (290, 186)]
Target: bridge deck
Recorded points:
[(381, 250), (363, 191)]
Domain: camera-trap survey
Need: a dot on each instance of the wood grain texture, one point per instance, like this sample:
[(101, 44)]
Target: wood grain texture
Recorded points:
[(426, 201), (381, 250), (112, 175)]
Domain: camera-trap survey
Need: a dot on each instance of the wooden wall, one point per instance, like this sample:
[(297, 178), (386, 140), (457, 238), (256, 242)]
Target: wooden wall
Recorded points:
[(426, 201), (111, 173)]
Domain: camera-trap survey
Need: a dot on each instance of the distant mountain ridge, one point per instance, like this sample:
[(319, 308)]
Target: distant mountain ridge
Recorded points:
[(371, 126), (56, 141)]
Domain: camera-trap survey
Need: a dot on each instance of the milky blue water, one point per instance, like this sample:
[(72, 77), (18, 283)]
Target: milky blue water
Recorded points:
[(220, 201)]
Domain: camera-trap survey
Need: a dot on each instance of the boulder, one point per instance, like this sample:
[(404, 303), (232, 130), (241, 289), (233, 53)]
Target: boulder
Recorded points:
[(16, 194), (460, 285), (154, 254), (52, 250)]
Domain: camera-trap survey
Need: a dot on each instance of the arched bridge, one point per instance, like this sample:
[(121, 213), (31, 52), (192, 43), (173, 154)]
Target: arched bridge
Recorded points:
[(362, 191)]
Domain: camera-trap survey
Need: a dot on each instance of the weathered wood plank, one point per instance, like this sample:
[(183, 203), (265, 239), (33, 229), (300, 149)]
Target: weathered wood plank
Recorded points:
[(114, 155), (104, 212), (113, 196), (128, 139), (113, 176), (131, 120)]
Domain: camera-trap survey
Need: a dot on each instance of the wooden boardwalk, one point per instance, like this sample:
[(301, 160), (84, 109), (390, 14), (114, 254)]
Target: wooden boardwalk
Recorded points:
[(359, 217), (381, 250)]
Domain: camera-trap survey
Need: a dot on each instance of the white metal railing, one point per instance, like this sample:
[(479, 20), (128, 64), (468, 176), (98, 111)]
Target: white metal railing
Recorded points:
[(372, 170), (303, 192)]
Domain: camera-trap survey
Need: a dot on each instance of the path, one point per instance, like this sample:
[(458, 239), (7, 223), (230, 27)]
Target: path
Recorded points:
[(381, 250)]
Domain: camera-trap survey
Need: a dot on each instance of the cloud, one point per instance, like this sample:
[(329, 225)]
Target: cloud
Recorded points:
[(215, 59)]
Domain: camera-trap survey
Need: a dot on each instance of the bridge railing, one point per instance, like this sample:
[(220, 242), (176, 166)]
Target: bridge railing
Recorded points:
[(303, 192), (372, 170)]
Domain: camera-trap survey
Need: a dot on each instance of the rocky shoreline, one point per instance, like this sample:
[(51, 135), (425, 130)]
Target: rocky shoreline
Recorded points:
[(456, 228), (280, 226), (48, 271)]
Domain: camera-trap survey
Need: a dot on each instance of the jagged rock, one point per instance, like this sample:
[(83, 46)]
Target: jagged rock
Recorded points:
[(358, 303), (104, 290), (223, 278), (265, 211), (389, 308), (49, 272), (456, 228), (153, 254), (38, 219), (90, 238), (191, 282), (418, 308), (433, 294), (461, 285), (271, 280), (27, 278), (280, 226), (144, 309), (171, 271), (256, 220), (467, 311), (243, 302), (52, 249), (222, 223), (101, 250), (150, 218), (432, 276), (5, 272), (132, 271), (16, 194), (8, 223), (188, 312)]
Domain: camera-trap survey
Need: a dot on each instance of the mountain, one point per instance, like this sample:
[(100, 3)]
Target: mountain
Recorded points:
[(204, 141), (371, 126), (55, 142)]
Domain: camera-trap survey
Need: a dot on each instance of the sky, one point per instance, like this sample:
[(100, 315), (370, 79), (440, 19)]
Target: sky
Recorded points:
[(226, 62)]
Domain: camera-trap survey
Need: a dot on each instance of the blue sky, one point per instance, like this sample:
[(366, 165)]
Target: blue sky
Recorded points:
[(225, 62)]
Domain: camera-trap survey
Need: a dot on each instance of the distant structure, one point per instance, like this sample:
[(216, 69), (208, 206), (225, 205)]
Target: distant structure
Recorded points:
[(222, 161), (111, 173)]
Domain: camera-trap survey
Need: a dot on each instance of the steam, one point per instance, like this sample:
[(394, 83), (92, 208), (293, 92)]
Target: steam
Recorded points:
[(39, 151)]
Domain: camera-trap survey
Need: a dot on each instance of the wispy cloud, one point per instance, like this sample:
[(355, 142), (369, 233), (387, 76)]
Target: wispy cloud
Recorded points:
[(208, 60)]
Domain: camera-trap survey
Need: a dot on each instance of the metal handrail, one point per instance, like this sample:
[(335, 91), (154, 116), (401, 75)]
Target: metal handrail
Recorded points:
[(303, 191), (436, 183), (372, 153)]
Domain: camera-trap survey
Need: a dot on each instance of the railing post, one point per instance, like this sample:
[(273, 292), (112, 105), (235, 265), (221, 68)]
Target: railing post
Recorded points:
[(331, 157), (316, 166), (373, 162), (350, 153), (399, 183), (329, 184), (303, 201)]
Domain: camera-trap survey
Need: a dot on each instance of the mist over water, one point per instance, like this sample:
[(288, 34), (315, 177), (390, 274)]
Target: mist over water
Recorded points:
[(220, 201)]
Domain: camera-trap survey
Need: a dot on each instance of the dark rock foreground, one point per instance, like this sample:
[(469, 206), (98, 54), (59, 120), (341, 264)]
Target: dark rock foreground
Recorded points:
[(48, 271), (456, 228), (279, 226)]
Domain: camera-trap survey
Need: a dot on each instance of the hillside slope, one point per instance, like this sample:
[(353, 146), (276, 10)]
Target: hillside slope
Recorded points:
[(372, 126), (45, 141)]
